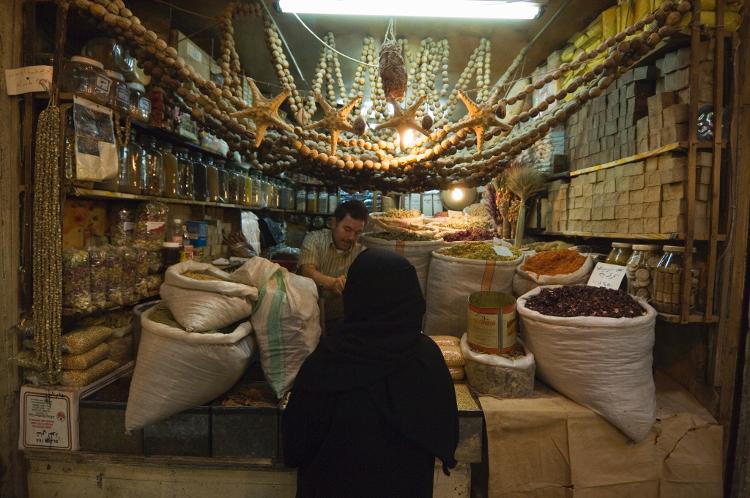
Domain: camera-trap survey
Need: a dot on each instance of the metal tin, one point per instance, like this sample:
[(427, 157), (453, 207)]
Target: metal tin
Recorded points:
[(491, 322)]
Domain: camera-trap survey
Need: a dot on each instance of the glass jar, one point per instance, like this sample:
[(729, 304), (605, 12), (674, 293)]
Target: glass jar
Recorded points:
[(119, 93), (212, 179), (200, 177), (283, 192), (255, 198), (86, 78), (248, 186), (170, 253), (311, 206), (640, 270), (186, 174), (223, 180), (232, 176), (274, 194), (153, 174), (620, 253), (323, 200), (140, 105), (264, 191), (170, 171), (301, 200), (666, 295), (131, 167), (333, 201), (157, 99)]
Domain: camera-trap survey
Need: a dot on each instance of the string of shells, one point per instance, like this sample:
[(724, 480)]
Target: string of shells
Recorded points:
[(448, 155)]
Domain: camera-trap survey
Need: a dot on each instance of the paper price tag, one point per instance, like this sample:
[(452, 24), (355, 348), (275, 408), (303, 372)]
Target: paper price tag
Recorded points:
[(607, 275), (503, 251), (28, 79)]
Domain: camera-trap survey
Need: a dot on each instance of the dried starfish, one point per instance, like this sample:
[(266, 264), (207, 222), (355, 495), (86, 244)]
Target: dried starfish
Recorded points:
[(403, 120), (480, 118), (334, 120), (264, 112)]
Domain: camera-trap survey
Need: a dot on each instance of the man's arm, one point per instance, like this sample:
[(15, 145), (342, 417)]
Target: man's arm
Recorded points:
[(333, 284)]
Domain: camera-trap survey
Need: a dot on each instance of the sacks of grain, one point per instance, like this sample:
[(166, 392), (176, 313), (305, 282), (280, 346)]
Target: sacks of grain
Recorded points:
[(562, 267), (417, 252)]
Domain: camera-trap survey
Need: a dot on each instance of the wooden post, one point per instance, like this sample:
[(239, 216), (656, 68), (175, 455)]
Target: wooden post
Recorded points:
[(12, 478)]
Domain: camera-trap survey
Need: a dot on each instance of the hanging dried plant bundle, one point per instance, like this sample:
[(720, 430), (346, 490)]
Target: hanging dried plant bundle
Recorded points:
[(392, 67), (524, 182)]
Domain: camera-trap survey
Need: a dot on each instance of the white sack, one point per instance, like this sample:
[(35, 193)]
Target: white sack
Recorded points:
[(201, 305), (451, 281), (524, 281), (286, 319), (602, 363), (417, 252), (178, 370)]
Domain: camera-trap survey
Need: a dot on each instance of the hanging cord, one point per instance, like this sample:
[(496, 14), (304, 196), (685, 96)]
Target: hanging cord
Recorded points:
[(330, 47), (283, 40), (390, 32)]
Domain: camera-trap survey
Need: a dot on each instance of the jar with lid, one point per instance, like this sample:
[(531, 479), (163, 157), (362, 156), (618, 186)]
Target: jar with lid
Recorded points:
[(231, 179), (265, 189), (119, 93), (256, 188), (175, 231), (140, 105), (170, 171), (186, 174), (283, 195), (274, 196), (311, 206), (289, 194), (223, 180), (200, 177), (666, 295), (333, 201), (620, 253), (640, 270), (322, 200), (212, 179), (247, 181), (301, 199), (156, 97), (153, 175), (131, 167), (170, 253), (86, 78)]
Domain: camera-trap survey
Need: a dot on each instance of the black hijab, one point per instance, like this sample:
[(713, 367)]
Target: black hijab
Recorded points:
[(379, 346)]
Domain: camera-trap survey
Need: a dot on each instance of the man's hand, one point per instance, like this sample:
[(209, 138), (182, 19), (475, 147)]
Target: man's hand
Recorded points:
[(337, 285)]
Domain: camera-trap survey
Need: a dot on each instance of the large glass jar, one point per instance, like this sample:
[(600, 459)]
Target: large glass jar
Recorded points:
[(311, 206), (232, 175), (86, 78), (333, 201), (273, 194), (255, 198), (119, 93), (620, 253), (248, 186), (170, 170), (200, 177), (322, 200), (212, 179), (223, 180), (186, 170), (640, 270), (300, 199), (667, 291), (131, 167), (153, 174), (265, 190), (140, 105)]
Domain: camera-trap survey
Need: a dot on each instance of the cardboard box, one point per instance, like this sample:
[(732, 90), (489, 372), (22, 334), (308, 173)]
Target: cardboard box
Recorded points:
[(676, 133), (677, 80), (653, 178), (673, 191), (675, 114), (637, 182), (49, 418), (650, 225), (636, 196), (635, 226), (198, 59)]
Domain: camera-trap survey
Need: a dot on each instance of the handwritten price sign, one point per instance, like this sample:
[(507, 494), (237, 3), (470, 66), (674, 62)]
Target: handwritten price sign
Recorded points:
[(607, 275)]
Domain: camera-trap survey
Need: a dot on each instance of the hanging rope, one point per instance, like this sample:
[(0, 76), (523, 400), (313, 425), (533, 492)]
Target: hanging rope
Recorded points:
[(330, 47)]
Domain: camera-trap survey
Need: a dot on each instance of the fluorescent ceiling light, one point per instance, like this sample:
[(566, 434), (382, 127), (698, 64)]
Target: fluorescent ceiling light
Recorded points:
[(466, 9)]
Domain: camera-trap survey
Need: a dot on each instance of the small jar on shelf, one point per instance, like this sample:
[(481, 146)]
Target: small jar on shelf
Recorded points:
[(265, 190), (620, 253), (131, 167), (140, 105), (186, 174), (247, 181), (153, 174), (668, 281), (223, 180), (640, 270), (86, 78), (311, 206), (333, 201), (170, 170), (256, 190), (200, 177), (322, 200), (212, 179), (119, 93), (301, 199)]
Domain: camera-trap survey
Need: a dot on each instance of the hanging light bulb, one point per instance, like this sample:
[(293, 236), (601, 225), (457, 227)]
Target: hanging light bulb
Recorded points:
[(457, 194)]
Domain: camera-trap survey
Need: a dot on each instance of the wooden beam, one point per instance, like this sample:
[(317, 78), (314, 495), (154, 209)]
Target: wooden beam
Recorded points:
[(12, 476)]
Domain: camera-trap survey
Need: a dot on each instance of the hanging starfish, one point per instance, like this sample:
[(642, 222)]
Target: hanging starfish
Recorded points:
[(334, 120), (480, 118), (264, 112), (403, 120)]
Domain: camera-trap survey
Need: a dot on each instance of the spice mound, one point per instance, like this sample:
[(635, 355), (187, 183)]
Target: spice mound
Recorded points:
[(582, 300), (405, 236), (478, 250), (400, 213), (554, 262), (476, 233)]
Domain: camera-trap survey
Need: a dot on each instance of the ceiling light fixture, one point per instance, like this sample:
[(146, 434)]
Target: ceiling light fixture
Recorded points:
[(465, 9)]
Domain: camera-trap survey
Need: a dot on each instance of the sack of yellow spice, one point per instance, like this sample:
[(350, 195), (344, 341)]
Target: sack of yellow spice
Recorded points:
[(566, 267)]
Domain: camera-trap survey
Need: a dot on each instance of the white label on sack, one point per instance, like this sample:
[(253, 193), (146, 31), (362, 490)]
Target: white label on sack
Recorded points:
[(47, 419), (155, 226), (607, 275), (503, 251)]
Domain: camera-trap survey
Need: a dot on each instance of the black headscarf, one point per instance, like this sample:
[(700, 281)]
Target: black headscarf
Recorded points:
[(379, 346)]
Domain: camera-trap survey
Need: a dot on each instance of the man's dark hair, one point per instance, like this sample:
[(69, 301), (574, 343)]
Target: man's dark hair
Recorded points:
[(355, 209)]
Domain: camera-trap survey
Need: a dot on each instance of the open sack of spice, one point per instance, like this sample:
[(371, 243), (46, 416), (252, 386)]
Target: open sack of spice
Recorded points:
[(202, 297), (562, 267), (594, 345), (285, 318), (507, 375), (178, 370), (457, 271)]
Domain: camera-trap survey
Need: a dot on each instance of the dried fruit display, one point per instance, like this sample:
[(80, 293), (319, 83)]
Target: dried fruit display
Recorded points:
[(582, 300)]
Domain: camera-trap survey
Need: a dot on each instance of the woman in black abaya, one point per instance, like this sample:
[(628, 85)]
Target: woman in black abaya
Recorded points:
[(374, 404)]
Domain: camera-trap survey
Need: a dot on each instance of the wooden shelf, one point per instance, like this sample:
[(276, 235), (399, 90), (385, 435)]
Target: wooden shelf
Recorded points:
[(174, 138), (627, 236), (632, 159), (77, 314), (678, 40), (692, 318)]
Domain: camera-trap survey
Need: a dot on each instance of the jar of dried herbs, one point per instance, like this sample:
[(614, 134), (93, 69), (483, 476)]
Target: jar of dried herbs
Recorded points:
[(640, 270), (620, 253), (667, 281)]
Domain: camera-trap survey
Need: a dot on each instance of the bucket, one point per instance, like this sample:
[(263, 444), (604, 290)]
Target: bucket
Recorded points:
[(491, 322)]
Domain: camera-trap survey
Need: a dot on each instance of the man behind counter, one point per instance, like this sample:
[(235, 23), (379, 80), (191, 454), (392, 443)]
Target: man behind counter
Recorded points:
[(327, 254)]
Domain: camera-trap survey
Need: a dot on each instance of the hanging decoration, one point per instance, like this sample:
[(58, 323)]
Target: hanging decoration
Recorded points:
[(404, 120), (392, 67), (335, 121), (445, 156)]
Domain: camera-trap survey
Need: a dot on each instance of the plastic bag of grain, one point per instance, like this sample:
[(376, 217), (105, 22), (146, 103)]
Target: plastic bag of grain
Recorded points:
[(452, 279), (79, 378), (85, 360), (602, 363), (499, 375), (85, 339), (177, 370), (286, 319), (201, 297), (526, 280), (418, 252)]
